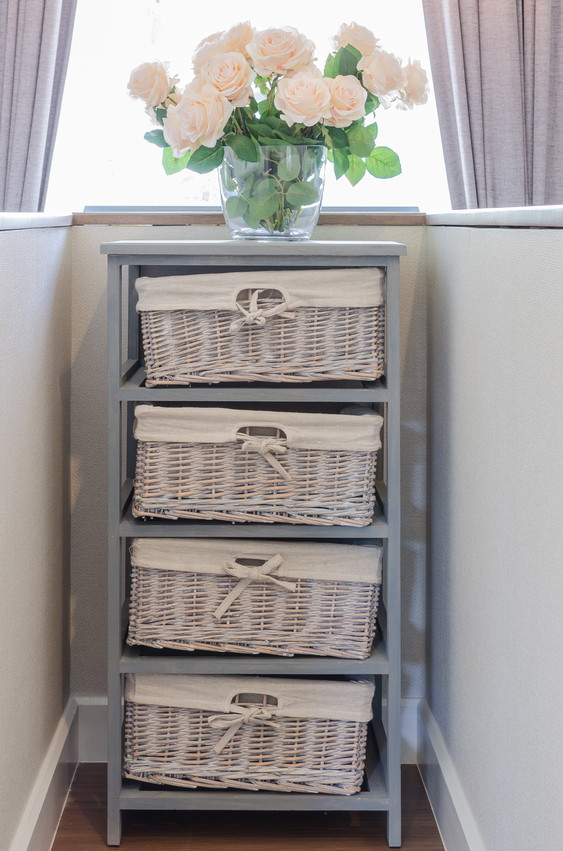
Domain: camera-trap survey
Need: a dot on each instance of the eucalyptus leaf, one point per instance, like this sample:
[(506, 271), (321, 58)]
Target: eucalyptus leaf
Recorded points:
[(300, 194), (341, 162), (265, 187), (156, 137), (171, 164), (252, 223), (383, 163), (236, 206), (309, 163), (360, 140), (206, 159), (263, 207), (356, 170), (243, 146), (290, 166)]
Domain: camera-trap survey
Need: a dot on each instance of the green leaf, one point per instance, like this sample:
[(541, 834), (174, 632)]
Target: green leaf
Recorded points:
[(309, 162), (160, 115), (243, 146), (274, 122), (373, 129), (372, 102), (329, 64), (206, 159), (360, 140), (252, 223), (156, 137), (264, 207), (341, 162), (383, 163), (171, 164), (260, 83), (330, 155), (236, 206), (356, 170), (290, 166), (226, 178), (300, 194), (346, 61), (266, 140), (265, 187), (338, 136), (261, 129)]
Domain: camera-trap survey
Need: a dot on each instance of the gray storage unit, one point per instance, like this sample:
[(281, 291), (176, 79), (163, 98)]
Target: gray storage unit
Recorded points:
[(127, 261)]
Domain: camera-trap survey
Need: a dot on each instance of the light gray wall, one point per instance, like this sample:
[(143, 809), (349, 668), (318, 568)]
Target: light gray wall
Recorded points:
[(89, 456), (34, 510), (495, 573)]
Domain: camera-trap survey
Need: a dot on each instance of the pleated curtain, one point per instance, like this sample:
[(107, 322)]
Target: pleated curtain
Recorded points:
[(497, 67), (35, 40)]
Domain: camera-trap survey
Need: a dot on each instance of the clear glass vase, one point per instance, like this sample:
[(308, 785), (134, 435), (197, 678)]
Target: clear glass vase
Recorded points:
[(278, 197)]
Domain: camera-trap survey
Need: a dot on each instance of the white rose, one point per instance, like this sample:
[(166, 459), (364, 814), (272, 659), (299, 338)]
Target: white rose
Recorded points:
[(231, 74), (277, 51), (347, 101), (303, 97), (206, 50), (417, 88), (359, 37), (151, 83), (237, 38), (382, 74), (199, 119)]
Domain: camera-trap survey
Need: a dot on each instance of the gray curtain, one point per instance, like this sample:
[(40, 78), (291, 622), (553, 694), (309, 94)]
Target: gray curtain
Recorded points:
[(497, 67), (35, 40)]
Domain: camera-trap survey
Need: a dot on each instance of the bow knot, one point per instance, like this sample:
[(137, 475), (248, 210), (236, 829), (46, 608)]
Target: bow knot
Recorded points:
[(248, 573), (258, 315), (233, 720), (266, 446)]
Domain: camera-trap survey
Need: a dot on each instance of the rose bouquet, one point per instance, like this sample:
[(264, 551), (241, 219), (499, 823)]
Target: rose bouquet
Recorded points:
[(260, 110)]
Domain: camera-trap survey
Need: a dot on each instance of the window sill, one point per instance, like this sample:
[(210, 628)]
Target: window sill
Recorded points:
[(216, 218)]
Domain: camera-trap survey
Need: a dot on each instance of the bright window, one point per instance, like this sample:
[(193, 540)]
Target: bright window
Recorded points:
[(101, 157)]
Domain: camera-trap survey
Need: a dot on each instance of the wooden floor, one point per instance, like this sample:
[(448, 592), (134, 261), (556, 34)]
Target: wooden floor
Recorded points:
[(83, 825)]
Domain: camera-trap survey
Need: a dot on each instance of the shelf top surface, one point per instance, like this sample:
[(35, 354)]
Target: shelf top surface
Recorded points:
[(226, 247)]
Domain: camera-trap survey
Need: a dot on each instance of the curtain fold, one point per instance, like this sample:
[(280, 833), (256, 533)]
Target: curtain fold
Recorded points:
[(35, 40), (497, 67)]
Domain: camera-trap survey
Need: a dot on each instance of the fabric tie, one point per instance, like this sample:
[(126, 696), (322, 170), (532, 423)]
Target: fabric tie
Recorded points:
[(265, 446), (247, 574), (232, 721), (258, 315)]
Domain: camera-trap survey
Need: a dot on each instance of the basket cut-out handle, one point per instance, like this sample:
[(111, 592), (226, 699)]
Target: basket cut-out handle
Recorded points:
[(247, 573), (266, 445), (258, 315)]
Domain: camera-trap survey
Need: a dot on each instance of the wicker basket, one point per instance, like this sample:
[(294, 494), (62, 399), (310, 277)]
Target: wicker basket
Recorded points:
[(274, 597), (293, 326), (284, 735), (265, 466)]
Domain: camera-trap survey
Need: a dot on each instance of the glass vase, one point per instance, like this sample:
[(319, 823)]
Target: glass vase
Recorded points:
[(278, 197)]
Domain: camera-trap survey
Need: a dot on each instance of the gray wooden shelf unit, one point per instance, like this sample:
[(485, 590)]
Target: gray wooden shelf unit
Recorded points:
[(127, 260)]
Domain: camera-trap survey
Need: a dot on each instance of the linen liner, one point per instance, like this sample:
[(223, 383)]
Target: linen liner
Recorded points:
[(324, 699), (322, 562), (358, 287), (154, 424)]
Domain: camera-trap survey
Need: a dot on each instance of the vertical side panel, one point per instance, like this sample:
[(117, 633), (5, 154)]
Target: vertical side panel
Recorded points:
[(114, 551), (133, 324), (394, 552)]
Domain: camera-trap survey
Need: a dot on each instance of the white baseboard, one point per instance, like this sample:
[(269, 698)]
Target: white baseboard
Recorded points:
[(453, 816), (44, 808)]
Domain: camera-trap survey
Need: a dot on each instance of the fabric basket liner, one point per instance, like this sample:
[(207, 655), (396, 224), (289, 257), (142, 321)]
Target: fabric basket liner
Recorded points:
[(340, 432), (323, 699), (357, 287), (322, 562)]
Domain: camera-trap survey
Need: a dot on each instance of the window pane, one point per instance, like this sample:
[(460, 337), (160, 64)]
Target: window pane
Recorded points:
[(101, 157)]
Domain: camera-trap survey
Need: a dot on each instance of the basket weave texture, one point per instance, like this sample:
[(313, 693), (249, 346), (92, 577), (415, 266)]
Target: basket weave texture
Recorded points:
[(172, 609), (187, 346), (174, 746), (227, 482)]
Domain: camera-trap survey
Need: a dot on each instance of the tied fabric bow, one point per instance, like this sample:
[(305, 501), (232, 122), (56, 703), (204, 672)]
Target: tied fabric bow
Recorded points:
[(232, 721), (265, 446), (258, 315), (247, 574)]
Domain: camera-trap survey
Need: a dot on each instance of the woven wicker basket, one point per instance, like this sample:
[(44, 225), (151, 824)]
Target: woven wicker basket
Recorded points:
[(254, 596), (293, 326), (265, 466), (247, 732)]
